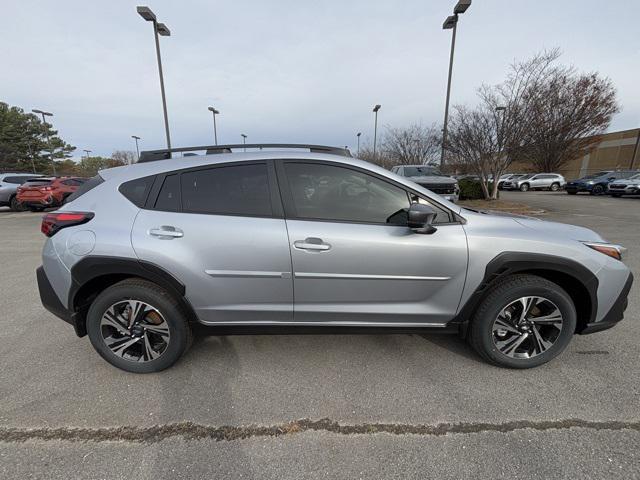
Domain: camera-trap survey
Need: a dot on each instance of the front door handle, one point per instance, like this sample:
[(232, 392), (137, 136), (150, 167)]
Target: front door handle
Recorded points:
[(166, 232), (311, 243)]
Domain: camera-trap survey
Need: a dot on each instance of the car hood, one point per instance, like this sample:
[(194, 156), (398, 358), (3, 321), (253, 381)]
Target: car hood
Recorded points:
[(559, 229), (432, 179)]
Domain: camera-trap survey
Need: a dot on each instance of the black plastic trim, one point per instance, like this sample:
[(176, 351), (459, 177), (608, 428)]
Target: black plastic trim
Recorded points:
[(508, 263), (615, 313), (49, 298)]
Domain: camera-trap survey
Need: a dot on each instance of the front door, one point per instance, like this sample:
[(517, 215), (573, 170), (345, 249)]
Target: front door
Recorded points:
[(355, 261), (216, 229)]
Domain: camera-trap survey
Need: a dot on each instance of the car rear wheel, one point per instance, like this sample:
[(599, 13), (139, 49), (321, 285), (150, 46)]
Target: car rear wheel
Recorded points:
[(523, 322), (554, 187), (524, 187), (138, 326), (15, 205)]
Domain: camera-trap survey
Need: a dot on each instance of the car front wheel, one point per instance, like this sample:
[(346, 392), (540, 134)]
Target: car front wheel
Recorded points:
[(523, 322), (138, 326), (597, 190), (524, 187)]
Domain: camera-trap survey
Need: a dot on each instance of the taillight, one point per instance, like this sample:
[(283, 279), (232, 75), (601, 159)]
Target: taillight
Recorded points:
[(53, 222), (45, 189)]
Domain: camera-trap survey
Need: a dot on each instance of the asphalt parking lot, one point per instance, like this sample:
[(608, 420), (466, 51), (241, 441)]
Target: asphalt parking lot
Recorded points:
[(317, 406)]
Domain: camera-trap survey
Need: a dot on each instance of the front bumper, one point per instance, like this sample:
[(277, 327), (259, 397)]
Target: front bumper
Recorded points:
[(51, 302), (615, 313), (629, 190)]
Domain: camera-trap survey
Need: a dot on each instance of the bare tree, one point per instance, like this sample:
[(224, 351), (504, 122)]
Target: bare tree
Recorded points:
[(412, 145), (568, 114), (124, 157)]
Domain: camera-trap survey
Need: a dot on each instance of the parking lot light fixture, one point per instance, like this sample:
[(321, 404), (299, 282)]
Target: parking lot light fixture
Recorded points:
[(358, 135), (451, 23), (136, 138), (46, 130), (87, 152), (375, 129), (159, 29), (215, 112), (244, 140)]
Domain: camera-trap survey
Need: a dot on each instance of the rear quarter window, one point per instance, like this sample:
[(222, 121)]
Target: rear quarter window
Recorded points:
[(136, 191)]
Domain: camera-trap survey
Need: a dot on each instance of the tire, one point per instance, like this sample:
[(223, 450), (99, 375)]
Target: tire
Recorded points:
[(485, 339), (15, 205), (597, 190), (571, 192), (524, 187), (165, 310), (554, 187)]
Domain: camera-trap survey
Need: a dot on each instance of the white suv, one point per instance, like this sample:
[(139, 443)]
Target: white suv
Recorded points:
[(539, 181)]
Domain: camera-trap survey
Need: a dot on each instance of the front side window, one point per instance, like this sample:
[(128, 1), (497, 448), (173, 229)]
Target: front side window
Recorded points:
[(327, 192), (232, 190)]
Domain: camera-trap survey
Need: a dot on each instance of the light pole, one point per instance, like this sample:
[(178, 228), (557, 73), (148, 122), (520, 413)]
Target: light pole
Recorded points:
[(163, 30), (136, 138), (87, 152), (358, 135), (244, 140), (46, 131), (375, 129), (451, 22), (215, 130)]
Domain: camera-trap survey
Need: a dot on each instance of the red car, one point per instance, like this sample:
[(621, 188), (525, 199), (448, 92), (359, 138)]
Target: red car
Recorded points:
[(41, 193)]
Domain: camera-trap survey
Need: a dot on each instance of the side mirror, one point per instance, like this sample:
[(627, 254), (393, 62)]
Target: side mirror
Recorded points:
[(420, 218)]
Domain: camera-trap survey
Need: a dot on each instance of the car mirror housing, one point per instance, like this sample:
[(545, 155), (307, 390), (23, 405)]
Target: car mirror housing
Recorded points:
[(420, 218)]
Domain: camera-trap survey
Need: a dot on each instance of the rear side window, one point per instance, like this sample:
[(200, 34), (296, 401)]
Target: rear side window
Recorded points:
[(234, 190), (135, 191), (169, 197), (85, 187), (17, 180)]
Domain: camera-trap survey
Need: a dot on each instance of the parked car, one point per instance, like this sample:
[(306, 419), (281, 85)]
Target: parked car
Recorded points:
[(628, 186), (141, 252), (430, 177), (9, 183), (507, 177), (597, 183), (45, 192), (536, 181)]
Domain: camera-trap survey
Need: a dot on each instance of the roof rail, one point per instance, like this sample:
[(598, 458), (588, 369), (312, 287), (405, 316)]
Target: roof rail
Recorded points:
[(165, 153)]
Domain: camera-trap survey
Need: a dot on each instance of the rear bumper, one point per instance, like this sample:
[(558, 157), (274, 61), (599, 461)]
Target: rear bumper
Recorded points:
[(37, 202), (615, 313), (52, 303)]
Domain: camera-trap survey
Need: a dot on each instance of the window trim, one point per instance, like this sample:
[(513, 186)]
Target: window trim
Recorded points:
[(276, 205), (289, 207)]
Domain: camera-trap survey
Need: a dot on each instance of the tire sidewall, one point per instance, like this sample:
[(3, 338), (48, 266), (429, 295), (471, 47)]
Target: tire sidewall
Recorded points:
[(174, 317), (524, 187), (556, 295)]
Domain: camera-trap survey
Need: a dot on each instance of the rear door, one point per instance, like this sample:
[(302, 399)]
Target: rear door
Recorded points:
[(355, 261), (221, 232)]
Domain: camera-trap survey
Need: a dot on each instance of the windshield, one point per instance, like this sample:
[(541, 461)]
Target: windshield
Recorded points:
[(595, 175), (421, 171)]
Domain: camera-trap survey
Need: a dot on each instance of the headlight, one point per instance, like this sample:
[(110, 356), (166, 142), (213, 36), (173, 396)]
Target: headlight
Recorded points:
[(609, 249)]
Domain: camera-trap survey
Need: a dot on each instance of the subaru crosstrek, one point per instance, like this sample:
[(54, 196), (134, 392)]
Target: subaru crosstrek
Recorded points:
[(140, 253)]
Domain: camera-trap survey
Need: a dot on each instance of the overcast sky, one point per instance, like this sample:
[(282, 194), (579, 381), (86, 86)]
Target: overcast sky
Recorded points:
[(289, 70)]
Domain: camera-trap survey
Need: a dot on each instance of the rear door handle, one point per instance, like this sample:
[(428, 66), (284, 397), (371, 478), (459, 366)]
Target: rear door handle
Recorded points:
[(311, 243), (166, 232)]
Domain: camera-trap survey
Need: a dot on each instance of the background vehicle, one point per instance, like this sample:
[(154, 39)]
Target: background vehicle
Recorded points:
[(536, 181), (431, 178), (45, 192), (597, 183), (225, 239), (507, 177), (628, 186), (9, 183)]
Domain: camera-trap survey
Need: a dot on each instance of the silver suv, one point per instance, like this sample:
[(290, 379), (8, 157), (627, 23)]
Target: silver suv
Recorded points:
[(315, 238), (9, 183), (430, 178), (539, 181)]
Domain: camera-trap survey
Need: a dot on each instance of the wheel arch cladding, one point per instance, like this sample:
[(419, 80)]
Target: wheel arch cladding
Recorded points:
[(578, 281), (93, 274)]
